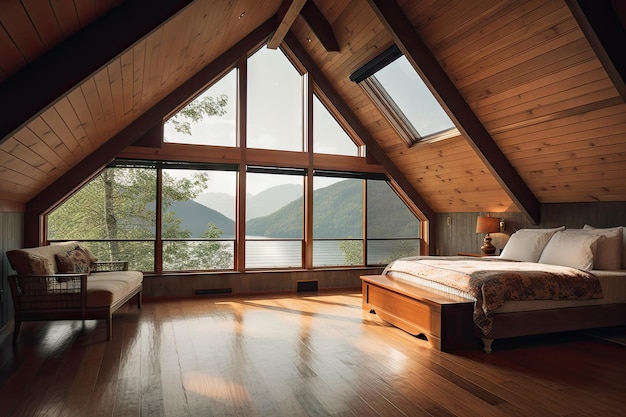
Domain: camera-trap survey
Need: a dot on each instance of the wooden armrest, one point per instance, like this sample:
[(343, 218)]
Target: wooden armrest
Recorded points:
[(101, 266)]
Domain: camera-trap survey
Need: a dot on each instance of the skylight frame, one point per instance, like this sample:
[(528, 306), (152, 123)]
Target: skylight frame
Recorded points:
[(366, 78)]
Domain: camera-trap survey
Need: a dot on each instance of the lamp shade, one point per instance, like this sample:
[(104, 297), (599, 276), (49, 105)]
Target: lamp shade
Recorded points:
[(487, 224)]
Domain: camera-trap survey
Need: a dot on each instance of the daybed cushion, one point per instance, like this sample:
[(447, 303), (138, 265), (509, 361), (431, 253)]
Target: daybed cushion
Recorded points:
[(610, 254), (526, 245), (571, 248), (105, 288), (41, 260)]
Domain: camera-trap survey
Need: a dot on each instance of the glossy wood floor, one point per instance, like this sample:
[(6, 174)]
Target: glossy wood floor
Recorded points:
[(294, 356)]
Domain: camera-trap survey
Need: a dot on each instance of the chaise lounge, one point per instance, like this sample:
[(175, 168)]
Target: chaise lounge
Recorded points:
[(65, 282)]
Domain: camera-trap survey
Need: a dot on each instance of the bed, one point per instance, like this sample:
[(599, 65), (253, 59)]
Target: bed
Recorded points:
[(545, 280)]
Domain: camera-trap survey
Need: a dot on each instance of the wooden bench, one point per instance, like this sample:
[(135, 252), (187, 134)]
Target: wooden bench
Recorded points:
[(445, 320)]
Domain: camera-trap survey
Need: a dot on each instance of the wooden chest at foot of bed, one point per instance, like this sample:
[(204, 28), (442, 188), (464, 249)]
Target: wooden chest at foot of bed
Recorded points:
[(445, 320)]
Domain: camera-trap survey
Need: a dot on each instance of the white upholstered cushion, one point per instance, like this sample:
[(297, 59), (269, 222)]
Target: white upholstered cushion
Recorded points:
[(610, 252), (571, 248), (527, 244)]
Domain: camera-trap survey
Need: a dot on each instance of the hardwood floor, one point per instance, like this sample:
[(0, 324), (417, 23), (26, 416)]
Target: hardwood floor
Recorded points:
[(294, 356)]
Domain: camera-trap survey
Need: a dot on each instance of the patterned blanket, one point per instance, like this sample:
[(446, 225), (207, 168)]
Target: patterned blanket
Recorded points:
[(492, 281)]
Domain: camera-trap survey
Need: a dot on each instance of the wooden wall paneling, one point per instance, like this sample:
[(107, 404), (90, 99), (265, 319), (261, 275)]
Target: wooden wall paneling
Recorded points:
[(567, 92), (114, 71), (102, 81), (59, 151), (14, 19), (57, 125), (42, 17), (460, 236), (127, 74), (534, 68), (66, 16), (96, 112), (516, 47), (576, 215), (68, 116), (608, 120), (11, 238), (78, 105)]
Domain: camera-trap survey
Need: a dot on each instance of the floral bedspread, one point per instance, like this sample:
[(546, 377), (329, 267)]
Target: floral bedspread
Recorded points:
[(492, 282)]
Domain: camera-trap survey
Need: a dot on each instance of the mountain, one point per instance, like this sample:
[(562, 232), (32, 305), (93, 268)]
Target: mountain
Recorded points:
[(272, 199), (220, 202), (337, 213), (262, 204), (196, 216)]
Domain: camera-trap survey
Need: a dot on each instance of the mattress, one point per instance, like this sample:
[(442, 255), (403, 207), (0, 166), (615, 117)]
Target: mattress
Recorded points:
[(613, 285)]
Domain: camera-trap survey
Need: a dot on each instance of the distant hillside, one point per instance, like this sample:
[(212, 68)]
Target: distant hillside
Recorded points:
[(262, 204), (272, 199), (337, 214), (196, 216), (220, 202)]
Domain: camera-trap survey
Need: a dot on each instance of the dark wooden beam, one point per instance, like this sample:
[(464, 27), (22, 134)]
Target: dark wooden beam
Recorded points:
[(603, 23), (416, 51), (320, 26), (287, 14), (372, 146), (151, 119), (31, 90)]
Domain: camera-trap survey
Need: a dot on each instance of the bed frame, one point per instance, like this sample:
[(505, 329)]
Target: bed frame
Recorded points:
[(446, 320)]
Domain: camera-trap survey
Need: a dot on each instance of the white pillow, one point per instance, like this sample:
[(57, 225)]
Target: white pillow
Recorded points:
[(574, 249), (610, 252), (526, 244)]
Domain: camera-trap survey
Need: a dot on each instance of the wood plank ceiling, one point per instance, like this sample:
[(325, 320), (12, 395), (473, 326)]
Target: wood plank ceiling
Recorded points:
[(524, 68)]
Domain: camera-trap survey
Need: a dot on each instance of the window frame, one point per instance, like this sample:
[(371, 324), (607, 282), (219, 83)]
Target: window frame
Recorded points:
[(365, 76)]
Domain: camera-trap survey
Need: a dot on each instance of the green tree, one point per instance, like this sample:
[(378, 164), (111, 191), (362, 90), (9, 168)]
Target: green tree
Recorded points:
[(118, 208), (197, 110)]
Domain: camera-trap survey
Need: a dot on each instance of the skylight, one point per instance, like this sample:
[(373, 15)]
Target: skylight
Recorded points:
[(403, 97)]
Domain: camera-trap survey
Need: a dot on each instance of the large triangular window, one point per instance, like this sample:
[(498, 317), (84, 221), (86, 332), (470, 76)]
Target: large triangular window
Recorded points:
[(403, 97)]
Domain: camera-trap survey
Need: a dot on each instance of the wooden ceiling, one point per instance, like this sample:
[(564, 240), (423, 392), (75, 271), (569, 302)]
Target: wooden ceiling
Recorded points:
[(534, 86)]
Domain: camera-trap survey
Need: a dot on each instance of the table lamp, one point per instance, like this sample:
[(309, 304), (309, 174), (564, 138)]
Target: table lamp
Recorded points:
[(487, 225)]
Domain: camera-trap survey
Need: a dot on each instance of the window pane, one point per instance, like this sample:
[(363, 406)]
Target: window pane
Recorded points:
[(337, 252), (117, 204), (139, 255), (413, 98), (274, 102), (337, 208), (210, 119), (198, 255), (337, 221), (198, 204), (275, 226), (273, 253), (328, 135), (381, 252), (387, 215), (392, 229)]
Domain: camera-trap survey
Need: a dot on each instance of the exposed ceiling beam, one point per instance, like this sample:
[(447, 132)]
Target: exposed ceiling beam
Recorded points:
[(372, 146), (287, 14), (92, 164), (40, 84), (320, 26), (416, 51), (604, 24)]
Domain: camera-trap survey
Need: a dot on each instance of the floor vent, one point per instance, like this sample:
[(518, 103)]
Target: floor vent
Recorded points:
[(210, 291), (307, 286)]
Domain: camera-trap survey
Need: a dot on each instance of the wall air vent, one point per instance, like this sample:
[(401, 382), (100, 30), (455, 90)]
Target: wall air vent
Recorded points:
[(307, 286)]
